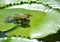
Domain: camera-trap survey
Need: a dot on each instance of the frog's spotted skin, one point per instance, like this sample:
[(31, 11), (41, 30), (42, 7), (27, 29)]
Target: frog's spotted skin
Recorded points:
[(40, 23), (19, 19)]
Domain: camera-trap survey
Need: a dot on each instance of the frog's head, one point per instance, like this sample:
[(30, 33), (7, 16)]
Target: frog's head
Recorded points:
[(9, 19)]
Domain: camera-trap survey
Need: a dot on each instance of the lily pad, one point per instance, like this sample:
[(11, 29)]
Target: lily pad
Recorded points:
[(36, 20)]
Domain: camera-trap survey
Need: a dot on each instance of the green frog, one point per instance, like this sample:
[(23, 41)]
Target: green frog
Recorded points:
[(20, 19)]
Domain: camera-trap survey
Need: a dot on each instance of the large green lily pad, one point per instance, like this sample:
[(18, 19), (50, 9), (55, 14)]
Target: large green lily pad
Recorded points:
[(40, 23), (36, 20)]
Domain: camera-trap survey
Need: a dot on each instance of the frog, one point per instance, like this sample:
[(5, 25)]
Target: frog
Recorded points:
[(20, 19)]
